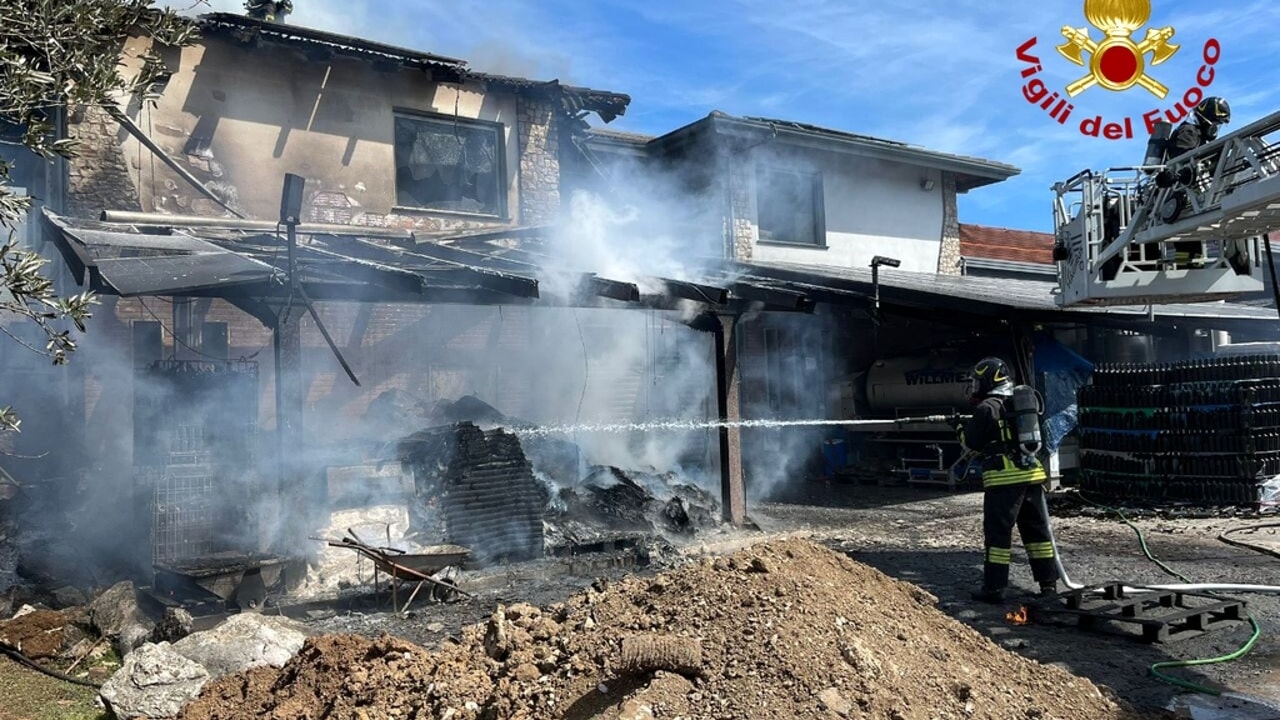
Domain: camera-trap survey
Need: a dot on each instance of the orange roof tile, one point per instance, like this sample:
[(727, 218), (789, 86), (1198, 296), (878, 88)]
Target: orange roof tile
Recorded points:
[(990, 243)]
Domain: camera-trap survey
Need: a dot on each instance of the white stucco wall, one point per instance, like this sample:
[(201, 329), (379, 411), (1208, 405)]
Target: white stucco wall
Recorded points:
[(871, 207)]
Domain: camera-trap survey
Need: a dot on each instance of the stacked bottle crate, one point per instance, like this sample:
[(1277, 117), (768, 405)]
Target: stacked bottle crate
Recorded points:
[(1201, 431)]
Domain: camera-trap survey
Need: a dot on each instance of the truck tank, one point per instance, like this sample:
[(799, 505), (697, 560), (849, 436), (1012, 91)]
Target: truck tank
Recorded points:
[(930, 381)]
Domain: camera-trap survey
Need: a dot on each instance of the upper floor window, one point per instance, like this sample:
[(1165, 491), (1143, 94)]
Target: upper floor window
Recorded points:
[(450, 164), (789, 207)]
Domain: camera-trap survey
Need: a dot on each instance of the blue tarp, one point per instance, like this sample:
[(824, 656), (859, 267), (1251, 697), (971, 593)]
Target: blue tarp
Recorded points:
[(1064, 372)]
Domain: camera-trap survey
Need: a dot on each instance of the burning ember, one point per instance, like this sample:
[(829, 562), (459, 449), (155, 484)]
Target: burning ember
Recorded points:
[(1018, 617)]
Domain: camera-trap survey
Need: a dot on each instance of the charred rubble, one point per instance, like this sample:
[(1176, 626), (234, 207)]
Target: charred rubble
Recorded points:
[(509, 496)]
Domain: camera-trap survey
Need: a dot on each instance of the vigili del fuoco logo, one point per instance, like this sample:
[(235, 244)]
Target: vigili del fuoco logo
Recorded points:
[(1116, 62)]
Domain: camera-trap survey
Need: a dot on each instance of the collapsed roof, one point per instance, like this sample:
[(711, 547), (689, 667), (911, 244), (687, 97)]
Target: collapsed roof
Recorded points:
[(198, 257), (319, 43)]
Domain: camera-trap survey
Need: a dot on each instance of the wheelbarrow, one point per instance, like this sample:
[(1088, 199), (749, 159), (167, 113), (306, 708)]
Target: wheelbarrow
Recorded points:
[(435, 565)]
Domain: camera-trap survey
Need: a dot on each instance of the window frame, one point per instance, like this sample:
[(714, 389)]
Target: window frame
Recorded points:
[(819, 212), (500, 132)]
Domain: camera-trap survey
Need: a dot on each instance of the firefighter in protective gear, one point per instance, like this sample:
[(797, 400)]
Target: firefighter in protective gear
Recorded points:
[(1202, 128), (1012, 482)]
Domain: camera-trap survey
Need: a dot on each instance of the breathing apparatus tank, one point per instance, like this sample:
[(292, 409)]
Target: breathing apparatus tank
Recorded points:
[(1158, 145), (1025, 410)]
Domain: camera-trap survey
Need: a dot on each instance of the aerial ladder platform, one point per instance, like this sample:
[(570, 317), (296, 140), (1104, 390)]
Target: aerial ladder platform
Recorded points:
[(1190, 229)]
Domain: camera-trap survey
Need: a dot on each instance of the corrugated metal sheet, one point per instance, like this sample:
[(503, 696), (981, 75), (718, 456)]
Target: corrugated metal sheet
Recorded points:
[(137, 241), (1007, 266), (181, 273), (992, 295)]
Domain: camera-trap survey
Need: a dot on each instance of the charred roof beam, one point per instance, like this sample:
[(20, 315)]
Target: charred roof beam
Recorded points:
[(363, 270), (435, 269), (698, 292), (771, 295), (612, 289), (679, 289), (588, 283)]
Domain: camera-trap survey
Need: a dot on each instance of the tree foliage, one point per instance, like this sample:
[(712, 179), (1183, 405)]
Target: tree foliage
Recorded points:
[(56, 55)]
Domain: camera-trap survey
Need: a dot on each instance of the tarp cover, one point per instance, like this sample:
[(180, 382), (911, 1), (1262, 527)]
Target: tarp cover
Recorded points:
[(1064, 372)]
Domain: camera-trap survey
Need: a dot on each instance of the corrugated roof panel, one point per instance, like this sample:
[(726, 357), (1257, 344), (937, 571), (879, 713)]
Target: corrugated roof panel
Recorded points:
[(178, 273), (987, 294), (133, 241)]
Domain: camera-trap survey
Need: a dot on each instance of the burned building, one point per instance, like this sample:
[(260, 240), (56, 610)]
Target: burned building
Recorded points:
[(433, 244)]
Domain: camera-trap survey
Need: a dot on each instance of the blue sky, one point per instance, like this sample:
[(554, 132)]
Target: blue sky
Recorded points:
[(946, 79)]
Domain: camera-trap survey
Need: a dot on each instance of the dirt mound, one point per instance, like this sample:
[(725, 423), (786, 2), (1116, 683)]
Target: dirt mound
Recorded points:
[(787, 629), (43, 633)]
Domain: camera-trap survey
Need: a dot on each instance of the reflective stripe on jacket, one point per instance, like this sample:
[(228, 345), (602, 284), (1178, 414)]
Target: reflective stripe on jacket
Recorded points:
[(1008, 472)]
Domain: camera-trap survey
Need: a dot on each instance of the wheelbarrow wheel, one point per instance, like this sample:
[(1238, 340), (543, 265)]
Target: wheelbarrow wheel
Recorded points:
[(440, 593)]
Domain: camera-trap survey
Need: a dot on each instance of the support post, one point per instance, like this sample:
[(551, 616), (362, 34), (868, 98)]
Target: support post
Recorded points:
[(286, 341), (733, 500), (1271, 267)]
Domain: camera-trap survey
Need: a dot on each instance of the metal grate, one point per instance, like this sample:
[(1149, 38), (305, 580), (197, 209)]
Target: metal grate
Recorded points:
[(186, 513), (194, 435)]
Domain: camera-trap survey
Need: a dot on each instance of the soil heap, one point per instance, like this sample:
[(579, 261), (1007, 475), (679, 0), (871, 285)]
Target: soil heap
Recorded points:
[(786, 629)]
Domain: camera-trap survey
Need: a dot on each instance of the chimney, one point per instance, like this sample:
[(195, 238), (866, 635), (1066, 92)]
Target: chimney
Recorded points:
[(268, 10)]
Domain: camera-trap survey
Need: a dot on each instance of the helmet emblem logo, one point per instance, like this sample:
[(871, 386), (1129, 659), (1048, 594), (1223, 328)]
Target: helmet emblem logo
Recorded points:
[(1117, 62)]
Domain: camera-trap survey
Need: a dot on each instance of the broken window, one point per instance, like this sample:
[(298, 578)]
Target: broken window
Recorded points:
[(449, 164), (789, 207)]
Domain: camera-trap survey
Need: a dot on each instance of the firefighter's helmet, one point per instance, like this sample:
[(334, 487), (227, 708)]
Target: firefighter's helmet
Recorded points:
[(1214, 110), (991, 376)]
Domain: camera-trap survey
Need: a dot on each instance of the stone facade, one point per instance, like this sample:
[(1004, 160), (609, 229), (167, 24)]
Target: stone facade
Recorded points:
[(99, 178), (742, 206), (539, 160), (949, 249)]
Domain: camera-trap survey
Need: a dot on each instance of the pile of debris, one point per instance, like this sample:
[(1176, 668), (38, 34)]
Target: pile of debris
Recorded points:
[(488, 499), (611, 505), (510, 496), (783, 629)]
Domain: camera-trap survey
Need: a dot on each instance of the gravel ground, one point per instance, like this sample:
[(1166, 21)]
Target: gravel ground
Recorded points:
[(933, 539)]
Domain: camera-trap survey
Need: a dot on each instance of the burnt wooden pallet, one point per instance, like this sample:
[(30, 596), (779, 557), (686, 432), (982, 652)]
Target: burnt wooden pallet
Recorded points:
[(607, 545), (1157, 616)]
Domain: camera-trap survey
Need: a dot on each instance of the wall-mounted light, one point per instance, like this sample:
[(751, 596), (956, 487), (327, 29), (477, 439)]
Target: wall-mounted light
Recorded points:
[(876, 262), (926, 184)]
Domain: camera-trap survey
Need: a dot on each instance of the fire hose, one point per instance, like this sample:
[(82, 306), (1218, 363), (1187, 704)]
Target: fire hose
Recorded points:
[(16, 655), (1186, 586)]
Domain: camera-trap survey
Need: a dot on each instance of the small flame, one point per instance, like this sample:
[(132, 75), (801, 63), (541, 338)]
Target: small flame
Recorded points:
[(1018, 617)]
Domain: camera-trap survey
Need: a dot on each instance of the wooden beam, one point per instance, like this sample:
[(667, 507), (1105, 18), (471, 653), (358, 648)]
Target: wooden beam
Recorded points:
[(733, 498)]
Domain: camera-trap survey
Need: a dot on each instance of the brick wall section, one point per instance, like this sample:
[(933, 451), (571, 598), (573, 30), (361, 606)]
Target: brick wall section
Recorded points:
[(949, 250), (539, 160), (385, 344), (98, 179)]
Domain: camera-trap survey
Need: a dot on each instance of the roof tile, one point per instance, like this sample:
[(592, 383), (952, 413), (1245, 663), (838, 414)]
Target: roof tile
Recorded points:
[(991, 243)]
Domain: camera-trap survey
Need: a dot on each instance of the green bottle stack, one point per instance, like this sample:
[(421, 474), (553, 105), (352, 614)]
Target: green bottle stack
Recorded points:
[(1205, 432)]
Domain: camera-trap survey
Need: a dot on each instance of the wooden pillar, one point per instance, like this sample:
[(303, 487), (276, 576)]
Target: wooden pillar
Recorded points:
[(733, 500), (286, 342)]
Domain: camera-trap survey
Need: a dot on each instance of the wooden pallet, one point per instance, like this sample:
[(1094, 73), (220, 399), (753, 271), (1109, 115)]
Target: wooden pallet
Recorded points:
[(1159, 616)]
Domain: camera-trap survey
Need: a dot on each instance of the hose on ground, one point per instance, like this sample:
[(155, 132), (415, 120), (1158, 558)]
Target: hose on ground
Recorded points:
[(1156, 668), (1246, 545), (21, 659), (1057, 555)]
